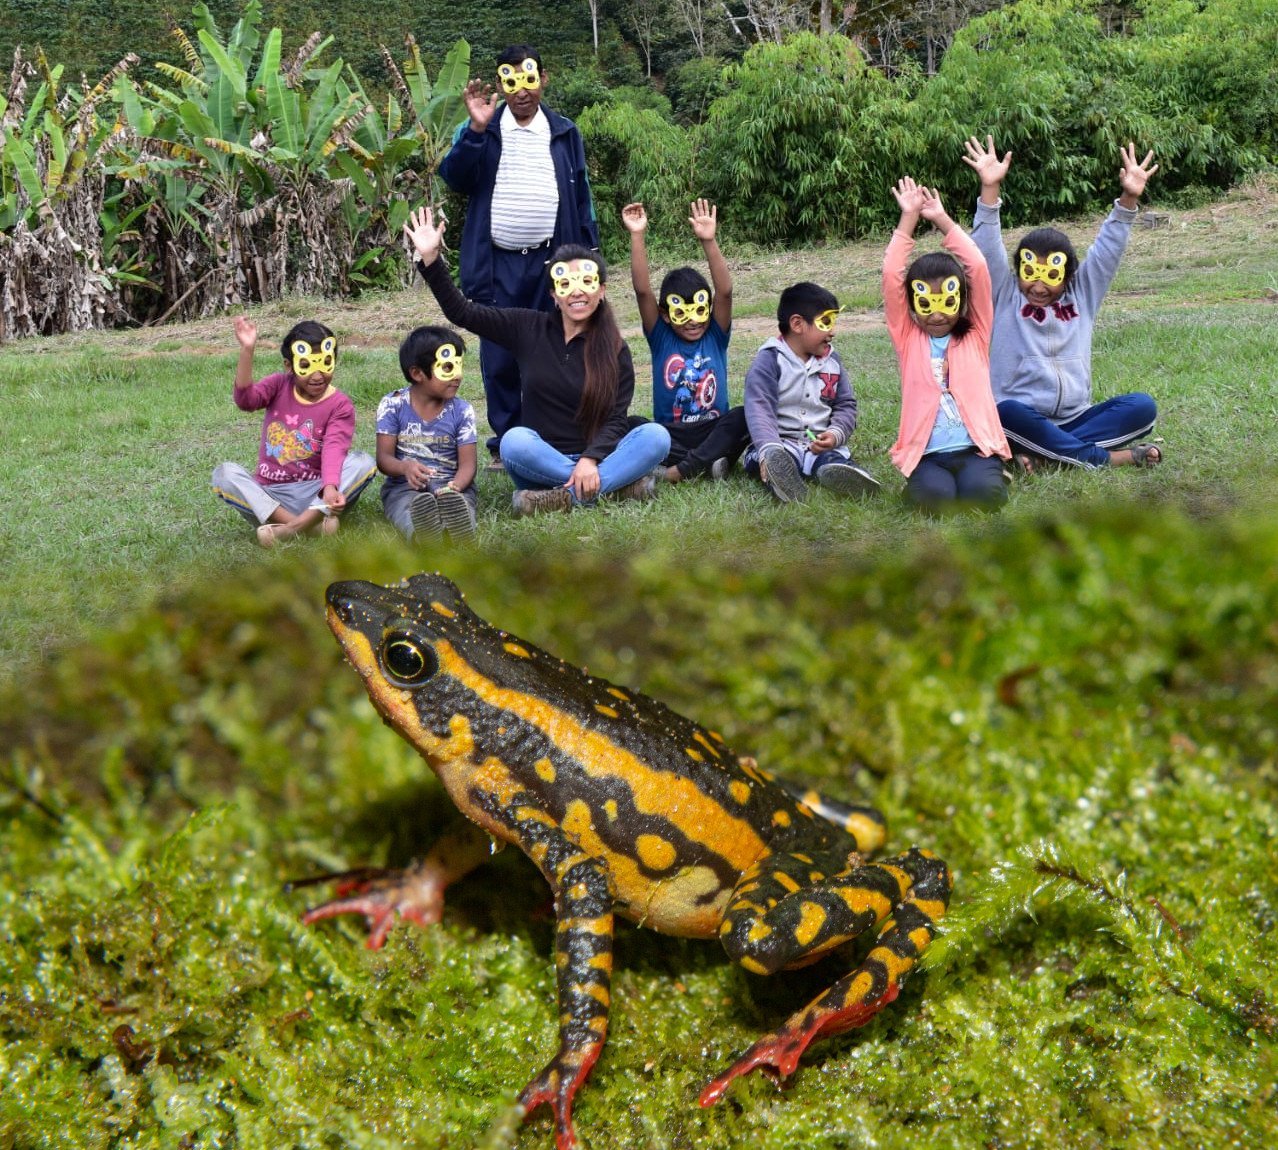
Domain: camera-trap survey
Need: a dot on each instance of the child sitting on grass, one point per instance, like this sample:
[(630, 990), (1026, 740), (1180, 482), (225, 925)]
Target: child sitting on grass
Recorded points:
[(799, 403), (306, 472), (950, 446), (426, 440), (688, 328), (1044, 314)]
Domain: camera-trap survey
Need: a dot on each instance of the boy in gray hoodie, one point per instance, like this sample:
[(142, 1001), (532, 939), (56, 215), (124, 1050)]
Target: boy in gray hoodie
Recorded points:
[(1044, 316), (799, 404)]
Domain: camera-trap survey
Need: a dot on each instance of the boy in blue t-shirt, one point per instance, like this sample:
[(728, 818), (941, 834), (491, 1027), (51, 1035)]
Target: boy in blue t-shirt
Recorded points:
[(688, 329), (426, 440)]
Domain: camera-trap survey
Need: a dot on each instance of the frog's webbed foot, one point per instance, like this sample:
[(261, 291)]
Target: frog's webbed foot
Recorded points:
[(415, 894), (780, 1052), (555, 1087)]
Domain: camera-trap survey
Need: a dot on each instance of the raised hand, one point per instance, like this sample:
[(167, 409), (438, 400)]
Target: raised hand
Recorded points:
[(635, 218), (932, 210), (245, 332), (910, 196), (1134, 176), (704, 219), (983, 160), (424, 234), (481, 104)]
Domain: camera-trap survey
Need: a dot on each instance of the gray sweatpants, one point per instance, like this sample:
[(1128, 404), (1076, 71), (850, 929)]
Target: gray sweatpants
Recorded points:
[(257, 501)]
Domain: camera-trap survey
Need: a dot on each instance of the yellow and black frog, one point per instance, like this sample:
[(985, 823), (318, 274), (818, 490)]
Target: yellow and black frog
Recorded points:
[(626, 808)]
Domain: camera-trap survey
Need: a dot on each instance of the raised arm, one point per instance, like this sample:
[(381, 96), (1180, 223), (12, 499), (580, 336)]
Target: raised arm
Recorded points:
[(909, 197), (987, 228), (1133, 176), (704, 218), (636, 221)]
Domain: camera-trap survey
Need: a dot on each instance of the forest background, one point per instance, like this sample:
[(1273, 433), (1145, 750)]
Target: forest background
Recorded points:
[(165, 165)]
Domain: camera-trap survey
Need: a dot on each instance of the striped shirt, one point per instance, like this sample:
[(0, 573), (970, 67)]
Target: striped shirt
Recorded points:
[(525, 200)]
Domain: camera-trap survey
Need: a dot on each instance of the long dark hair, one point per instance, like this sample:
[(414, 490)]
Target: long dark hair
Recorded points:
[(603, 344)]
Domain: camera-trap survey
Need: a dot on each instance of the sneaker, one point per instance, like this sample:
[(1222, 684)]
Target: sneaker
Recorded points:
[(643, 488), (720, 467), (456, 515), (847, 479), (783, 477), (423, 510), (537, 502)]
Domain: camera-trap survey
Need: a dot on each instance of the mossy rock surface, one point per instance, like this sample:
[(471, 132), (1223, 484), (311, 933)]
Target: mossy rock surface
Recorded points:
[(1076, 714)]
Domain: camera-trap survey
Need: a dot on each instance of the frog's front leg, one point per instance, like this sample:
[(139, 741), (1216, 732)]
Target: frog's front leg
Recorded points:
[(416, 893), (805, 922), (583, 955)]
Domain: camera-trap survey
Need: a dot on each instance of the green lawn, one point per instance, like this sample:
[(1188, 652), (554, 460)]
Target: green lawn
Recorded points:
[(1070, 701)]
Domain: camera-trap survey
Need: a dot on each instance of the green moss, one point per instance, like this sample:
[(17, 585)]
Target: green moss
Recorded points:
[(1076, 714)]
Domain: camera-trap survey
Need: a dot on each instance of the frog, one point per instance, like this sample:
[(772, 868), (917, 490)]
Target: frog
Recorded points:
[(627, 809)]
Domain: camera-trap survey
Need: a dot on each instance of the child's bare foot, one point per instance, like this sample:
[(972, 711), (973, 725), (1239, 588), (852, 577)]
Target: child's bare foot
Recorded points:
[(271, 533), (1138, 455), (328, 525)]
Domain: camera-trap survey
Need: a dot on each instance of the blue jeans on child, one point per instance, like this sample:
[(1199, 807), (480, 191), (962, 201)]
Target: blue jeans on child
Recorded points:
[(534, 464), (1084, 440)]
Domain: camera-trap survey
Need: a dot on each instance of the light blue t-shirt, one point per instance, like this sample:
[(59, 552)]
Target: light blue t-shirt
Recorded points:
[(948, 432), (431, 442), (689, 380)]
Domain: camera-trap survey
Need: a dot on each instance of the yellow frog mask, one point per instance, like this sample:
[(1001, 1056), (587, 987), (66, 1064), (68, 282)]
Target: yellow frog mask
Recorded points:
[(1049, 268), (944, 302), (566, 281), (513, 77), (307, 360), (696, 310), (448, 363), (825, 321)]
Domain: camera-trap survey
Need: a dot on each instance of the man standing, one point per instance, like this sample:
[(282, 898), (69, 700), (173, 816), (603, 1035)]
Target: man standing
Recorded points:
[(523, 168)]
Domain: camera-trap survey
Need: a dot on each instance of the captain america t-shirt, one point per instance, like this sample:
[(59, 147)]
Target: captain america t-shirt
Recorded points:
[(689, 380)]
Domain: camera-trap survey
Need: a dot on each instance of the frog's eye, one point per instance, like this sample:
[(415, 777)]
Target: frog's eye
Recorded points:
[(407, 660), (702, 297), (559, 271), (530, 66), (951, 285)]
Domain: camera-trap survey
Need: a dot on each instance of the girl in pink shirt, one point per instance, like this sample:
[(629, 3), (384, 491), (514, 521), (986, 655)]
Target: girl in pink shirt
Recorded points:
[(950, 446)]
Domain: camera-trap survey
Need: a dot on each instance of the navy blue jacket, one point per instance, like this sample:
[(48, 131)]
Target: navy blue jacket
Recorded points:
[(470, 168)]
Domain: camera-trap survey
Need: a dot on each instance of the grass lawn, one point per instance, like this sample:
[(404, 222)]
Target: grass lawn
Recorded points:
[(1070, 701)]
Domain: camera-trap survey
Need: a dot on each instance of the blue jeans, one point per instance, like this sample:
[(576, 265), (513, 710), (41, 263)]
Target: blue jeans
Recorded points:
[(532, 463), (1085, 439)]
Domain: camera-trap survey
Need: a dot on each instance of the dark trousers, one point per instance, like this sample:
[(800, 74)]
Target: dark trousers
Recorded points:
[(519, 280), (1084, 440), (950, 479), (695, 446)]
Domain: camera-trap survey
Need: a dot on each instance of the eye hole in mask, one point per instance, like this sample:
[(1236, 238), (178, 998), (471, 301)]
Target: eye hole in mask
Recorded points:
[(448, 363), (944, 302), (1050, 269), (308, 360), (566, 280), (513, 77), (696, 310), (825, 321)]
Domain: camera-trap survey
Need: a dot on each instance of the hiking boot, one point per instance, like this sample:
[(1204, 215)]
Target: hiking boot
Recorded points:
[(782, 474), (456, 515), (720, 467), (424, 513), (643, 488), (847, 479), (537, 502)]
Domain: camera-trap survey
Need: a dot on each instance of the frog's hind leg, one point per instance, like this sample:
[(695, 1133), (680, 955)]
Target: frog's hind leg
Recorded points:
[(865, 824), (912, 888), (416, 894)]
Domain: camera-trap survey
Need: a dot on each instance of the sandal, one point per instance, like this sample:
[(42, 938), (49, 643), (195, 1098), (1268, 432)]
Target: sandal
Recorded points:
[(1146, 454)]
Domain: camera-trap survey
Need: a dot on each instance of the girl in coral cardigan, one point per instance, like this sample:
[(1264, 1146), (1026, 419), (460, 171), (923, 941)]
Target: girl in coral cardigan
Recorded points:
[(950, 446)]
